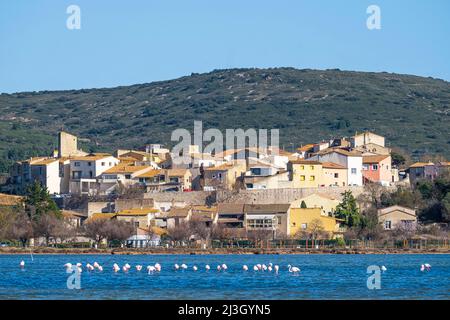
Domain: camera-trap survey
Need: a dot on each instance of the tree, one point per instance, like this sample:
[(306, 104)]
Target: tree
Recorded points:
[(397, 159), (97, 229), (38, 202), (199, 229), (303, 205), (348, 210), (119, 230), (6, 220), (21, 229), (46, 226), (316, 229), (179, 232)]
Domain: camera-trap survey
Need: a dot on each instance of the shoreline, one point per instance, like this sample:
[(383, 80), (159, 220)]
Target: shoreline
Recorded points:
[(225, 251)]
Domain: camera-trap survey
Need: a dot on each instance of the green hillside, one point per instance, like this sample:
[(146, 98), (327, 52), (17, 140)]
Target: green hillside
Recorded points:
[(306, 105)]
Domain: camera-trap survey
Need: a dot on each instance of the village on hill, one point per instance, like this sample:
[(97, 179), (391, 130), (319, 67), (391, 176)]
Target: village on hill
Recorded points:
[(334, 190)]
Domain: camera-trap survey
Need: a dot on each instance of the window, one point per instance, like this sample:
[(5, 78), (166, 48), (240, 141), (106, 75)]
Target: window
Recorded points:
[(76, 164), (365, 167), (336, 175), (302, 178), (91, 174), (375, 167), (302, 167), (312, 178), (256, 171), (279, 220), (128, 176), (89, 164), (220, 176), (311, 167), (387, 225), (103, 164), (304, 226), (353, 170)]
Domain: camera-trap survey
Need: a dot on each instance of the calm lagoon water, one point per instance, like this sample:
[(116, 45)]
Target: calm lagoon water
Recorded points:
[(322, 277)]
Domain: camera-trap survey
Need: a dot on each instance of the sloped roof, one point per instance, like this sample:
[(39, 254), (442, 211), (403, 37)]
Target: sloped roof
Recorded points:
[(44, 162), (390, 209), (311, 162), (306, 147), (176, 212), (121, 168), (266, 208), (149, 174), (421, 164), (332, 165), (230, 208), (374, 159), (137, 212)]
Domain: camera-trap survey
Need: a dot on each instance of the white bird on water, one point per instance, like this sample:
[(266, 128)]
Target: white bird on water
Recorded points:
[(124, 269), (383, 268), (176, 266), (207, 267), (422, 268), (79, 265), (22, 264), (127, 266), (276, 268), (79, 269), (138, 267), (224, 267), (116, 267), (293, 269), (427, 266), (264, 267), (96, 265), (195, 268), (100, 268), (259, 266), (219, 268), (184, 266), (157, 267), (151, 269), (244, 267), (68, 267), (255, 268), (269, 268), (89, 267)]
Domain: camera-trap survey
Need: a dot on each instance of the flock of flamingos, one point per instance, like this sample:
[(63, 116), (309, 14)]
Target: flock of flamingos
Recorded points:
[(157, 267)]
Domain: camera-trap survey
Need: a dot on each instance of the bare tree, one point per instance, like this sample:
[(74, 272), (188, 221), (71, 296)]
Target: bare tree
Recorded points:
[(45, 226), (6, 220), (97, 230), (21, 229), (181, 232), (119, 230)]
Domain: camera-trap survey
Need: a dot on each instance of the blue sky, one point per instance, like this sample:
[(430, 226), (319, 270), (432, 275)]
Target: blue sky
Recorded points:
[(128, 42)]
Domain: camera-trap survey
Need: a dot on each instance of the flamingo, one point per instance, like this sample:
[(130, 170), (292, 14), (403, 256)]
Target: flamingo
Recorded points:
[(22, 264), (224, 267), (270, 264), (293, 269), (219, 268), (151, 269), (427, 266), (383, 268), (100, 268), (125, 269), (244, 267), (157, 267), (96, 265), (138, 267), (259, 266), (116, 267), (89, 267), (255, 268), (269, 268), (79, 269), (195, 268), (422, 268), (207, 267), (184, 266), (68, 267), (264, 267), (276, 267), (176, 266), (79, 265), (127, 266)]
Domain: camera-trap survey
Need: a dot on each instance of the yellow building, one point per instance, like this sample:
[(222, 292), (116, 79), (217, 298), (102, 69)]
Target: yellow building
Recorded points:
[(140, 218), (223, 176), (327, 204), (311, 220), (305, 173), (334, 174)]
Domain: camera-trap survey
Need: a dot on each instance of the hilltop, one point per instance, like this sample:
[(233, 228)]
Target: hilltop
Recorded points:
[(306, 105)]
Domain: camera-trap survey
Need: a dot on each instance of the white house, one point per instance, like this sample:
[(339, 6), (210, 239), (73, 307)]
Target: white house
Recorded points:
[(47, 172), (84, 170), (349, 159)]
